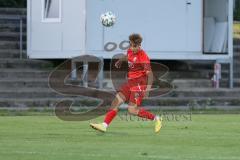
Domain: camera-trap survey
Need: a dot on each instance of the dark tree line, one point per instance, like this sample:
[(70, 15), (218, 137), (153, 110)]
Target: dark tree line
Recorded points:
[(13, 3), (237, 10)]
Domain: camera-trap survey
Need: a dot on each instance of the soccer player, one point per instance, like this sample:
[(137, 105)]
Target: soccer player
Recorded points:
[(140, 78)]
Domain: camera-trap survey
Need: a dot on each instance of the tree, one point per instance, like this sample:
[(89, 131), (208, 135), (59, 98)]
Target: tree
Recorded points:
[(13, 3), (237, 10)]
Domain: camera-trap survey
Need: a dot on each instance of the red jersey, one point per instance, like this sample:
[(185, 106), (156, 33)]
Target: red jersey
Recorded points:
[(138, 64)]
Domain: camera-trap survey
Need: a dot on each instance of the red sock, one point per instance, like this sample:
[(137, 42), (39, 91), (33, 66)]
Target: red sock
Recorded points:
[(110, 116), (145, 114)]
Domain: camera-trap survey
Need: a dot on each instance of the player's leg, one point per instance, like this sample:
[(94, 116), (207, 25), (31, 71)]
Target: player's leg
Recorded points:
[(134, 109), (111, 114), (135, 100), (141, 112)]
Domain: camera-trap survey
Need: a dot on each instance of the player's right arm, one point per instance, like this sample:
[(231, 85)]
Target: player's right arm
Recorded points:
[(119, 62)]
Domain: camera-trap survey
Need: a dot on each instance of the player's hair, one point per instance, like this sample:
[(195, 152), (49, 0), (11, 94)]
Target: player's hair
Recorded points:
[(136, 39)]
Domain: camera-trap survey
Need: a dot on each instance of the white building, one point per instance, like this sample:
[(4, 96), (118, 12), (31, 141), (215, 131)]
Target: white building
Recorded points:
[(172, 29)]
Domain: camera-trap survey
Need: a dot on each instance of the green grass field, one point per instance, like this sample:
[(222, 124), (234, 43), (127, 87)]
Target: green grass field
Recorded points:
[(48, 138)]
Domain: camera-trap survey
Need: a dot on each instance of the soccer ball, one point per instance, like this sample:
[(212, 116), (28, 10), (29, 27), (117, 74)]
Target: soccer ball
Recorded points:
[(108, 19)]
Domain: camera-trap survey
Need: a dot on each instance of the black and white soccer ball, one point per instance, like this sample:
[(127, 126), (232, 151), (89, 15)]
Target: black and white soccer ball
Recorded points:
[(108, 19)]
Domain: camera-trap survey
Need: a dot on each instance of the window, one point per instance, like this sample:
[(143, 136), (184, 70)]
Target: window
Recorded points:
[(51, 11)]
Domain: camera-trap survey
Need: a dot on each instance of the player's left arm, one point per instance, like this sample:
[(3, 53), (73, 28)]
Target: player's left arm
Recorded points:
[(149, 74), (149, 79)]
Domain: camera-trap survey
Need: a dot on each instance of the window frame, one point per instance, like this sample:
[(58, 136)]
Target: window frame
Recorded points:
[(52, 20)]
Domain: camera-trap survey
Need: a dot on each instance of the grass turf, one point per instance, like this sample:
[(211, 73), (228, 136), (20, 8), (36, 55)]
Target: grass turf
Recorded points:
[(46, 137)]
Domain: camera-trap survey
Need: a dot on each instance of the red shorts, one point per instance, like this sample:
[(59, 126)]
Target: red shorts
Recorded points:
[(134, 90)]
